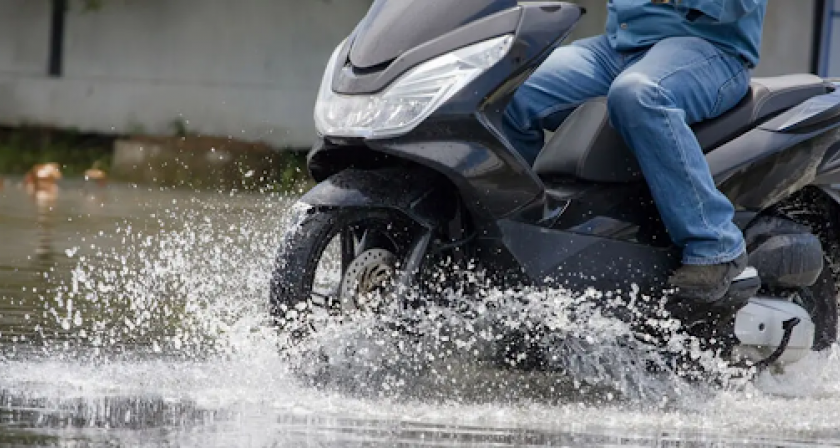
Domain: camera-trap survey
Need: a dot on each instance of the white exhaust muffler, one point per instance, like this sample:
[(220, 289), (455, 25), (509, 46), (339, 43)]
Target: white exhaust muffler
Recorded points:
[(773, 332)]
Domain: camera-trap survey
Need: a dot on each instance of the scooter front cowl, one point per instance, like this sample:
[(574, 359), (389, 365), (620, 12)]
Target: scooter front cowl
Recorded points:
[(453, 124), (390, 28)]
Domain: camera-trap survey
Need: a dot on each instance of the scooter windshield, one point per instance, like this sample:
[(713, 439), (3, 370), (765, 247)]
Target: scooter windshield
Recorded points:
[(393, 27)]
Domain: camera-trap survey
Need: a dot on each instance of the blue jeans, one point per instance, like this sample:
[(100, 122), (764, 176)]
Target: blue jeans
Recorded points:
[(653, 96)]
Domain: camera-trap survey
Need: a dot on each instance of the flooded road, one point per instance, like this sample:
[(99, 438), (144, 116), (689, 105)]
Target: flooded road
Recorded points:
[(132, 316)]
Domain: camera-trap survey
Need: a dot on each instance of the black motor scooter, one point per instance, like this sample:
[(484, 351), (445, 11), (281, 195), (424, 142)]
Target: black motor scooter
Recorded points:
[(413, 169)]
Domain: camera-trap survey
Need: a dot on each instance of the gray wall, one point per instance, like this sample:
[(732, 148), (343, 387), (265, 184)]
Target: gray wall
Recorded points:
[(832, 37), (24, 34), (247, 68), (242, 68), (788, 37)]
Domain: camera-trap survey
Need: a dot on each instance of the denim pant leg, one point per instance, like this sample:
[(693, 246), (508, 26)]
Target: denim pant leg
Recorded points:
[(571, 75), (680, 81)]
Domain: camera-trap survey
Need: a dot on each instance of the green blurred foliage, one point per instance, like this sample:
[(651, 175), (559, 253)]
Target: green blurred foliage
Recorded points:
[(21, 148), (75, 152), (91, 5)]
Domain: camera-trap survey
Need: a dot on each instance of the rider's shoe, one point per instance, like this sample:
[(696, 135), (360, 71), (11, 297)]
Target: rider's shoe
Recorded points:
[(708, 284)]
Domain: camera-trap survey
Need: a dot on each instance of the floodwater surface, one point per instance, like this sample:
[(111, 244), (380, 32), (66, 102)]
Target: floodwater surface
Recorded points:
[(134, 316)]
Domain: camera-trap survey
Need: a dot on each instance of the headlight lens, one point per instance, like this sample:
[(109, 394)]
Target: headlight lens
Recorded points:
[(410, 99)]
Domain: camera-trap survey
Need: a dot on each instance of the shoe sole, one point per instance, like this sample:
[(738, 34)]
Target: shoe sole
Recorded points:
[(743, 288), (740, 290)]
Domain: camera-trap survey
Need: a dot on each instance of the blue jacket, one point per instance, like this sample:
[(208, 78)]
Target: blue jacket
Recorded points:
[(734, 26)]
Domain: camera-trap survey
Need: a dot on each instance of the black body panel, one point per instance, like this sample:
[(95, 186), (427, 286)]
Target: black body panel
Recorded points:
[(421, 194), (373, 58), (493, 182), (829, 169), (393, 27), (764, 167), (808, 120), (349, 79), (579, 261), (812, 115)]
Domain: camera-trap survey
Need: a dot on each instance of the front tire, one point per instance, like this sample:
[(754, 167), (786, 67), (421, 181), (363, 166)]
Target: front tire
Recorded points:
[(372, 246)]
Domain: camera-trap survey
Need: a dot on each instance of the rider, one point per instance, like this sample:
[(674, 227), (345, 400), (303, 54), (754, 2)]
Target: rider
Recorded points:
[(663, 65)]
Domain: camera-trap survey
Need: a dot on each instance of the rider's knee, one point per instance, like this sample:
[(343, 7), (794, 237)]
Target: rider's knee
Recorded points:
[(631, 94)]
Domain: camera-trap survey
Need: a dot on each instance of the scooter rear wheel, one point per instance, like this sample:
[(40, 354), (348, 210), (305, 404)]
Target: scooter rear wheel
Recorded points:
[(812, 208), (365, 246)]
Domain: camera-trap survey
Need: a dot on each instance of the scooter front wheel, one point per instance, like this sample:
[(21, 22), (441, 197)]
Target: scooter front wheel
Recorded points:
[(334, 262)]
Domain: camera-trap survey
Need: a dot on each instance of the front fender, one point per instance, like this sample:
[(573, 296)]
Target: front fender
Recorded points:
[(422, 195)]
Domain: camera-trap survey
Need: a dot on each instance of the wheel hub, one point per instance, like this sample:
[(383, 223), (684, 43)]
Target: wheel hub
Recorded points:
[(367, 274)]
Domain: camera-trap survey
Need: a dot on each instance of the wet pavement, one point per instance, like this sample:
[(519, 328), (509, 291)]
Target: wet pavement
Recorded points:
[(134, 316)]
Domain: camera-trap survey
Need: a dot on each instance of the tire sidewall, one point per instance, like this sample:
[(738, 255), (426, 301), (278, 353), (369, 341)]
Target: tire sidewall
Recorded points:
[(303, 245)]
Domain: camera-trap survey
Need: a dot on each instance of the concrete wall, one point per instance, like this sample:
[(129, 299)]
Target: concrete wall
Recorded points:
[(831, 52), (24, 34), (787, 42), (243, 68), (248, 69)]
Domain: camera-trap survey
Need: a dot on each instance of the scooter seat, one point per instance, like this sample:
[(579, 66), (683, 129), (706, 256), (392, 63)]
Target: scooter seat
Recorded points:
[(586, 147)]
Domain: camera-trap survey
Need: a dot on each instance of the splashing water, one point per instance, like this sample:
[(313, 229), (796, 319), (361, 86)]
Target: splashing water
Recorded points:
[(178, 292), (166, 326)]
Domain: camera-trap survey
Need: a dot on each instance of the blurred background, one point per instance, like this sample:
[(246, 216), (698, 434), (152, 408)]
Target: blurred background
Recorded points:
[(124, 82)]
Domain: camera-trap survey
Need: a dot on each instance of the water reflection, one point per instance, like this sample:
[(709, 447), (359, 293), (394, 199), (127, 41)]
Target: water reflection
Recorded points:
[(41, 183), (46, 223), (151, 421)]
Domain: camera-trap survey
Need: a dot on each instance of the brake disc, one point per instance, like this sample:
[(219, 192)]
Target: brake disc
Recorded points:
[(365, 277)]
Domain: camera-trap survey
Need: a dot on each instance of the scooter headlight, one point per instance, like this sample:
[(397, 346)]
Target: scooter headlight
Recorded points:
[(410, 99)]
